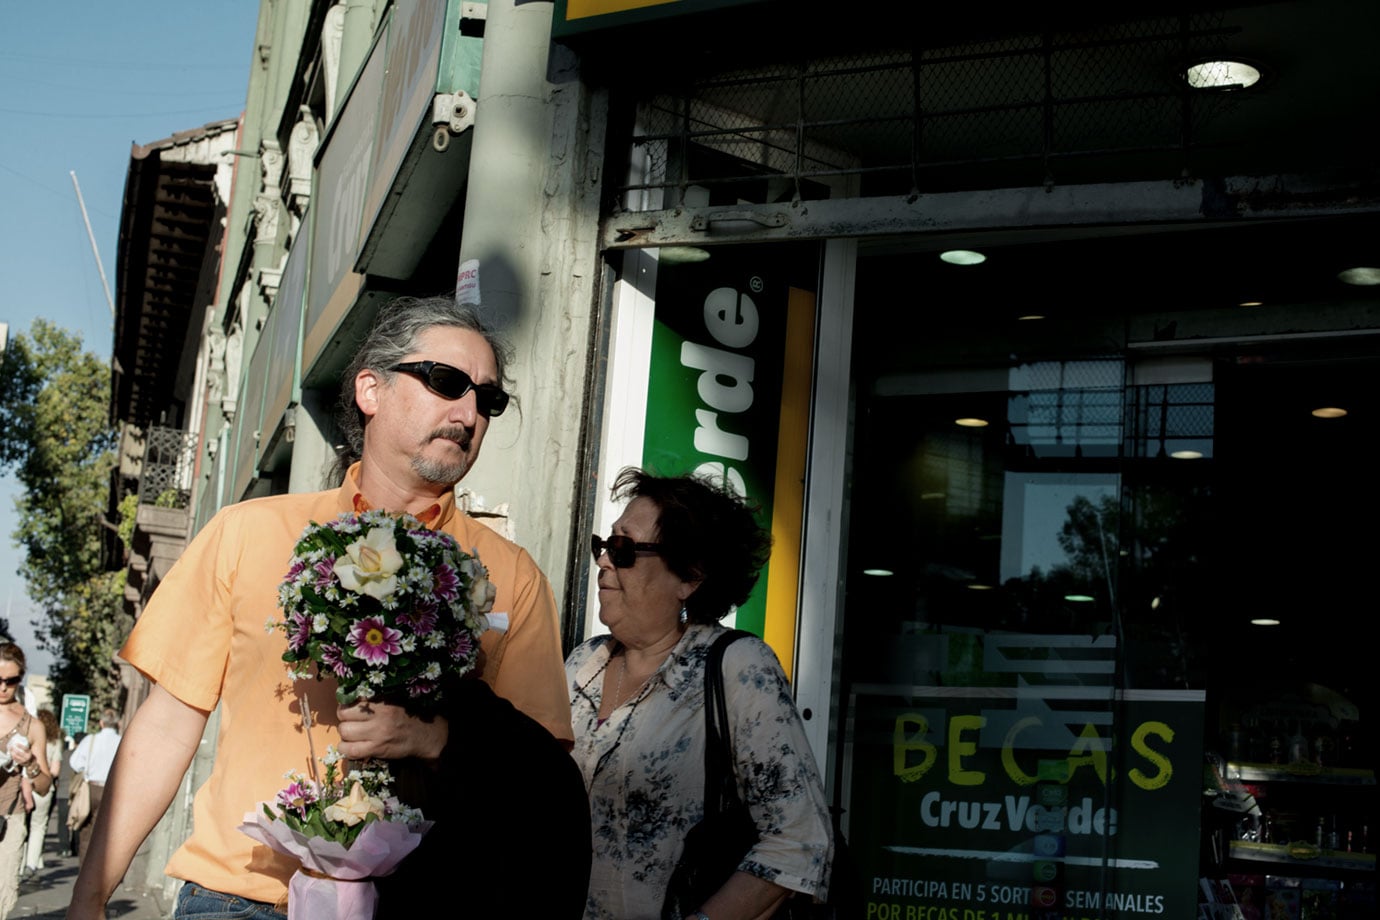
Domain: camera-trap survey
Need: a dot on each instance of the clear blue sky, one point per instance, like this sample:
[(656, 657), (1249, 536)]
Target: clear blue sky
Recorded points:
[(80, 82)]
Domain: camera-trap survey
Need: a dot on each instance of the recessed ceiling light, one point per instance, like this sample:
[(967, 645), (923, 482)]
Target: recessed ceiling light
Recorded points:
[(1251, 303), (1362, 275), (1329, 412), (1079, 598), (679, 255), (971, 422), (962, 257), (1264, 621), (1224, 75), (1155, 602), (880, 573), (1030, 316), (1187, 455), (978, 587)]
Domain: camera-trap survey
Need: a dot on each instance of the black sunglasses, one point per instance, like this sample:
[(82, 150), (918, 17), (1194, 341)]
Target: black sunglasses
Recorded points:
[(452, 383), (12, 681), (622, 550)]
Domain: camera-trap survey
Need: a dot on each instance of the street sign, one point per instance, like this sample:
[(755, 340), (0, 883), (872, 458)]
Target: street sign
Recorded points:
[(76, 713)]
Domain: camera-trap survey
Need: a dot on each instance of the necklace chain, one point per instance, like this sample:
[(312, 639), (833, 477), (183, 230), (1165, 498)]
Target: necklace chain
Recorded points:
[(622, 672)]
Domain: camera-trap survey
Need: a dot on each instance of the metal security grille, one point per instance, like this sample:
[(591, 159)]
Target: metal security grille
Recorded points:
[(1172, 418), (1060, 106), (1059, 407), (169, 461)]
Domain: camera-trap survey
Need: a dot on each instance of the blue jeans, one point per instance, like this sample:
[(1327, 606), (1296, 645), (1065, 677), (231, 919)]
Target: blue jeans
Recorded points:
[(197, 903)]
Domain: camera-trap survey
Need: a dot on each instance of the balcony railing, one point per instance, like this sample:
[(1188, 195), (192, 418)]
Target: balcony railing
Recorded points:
[(168, 467)]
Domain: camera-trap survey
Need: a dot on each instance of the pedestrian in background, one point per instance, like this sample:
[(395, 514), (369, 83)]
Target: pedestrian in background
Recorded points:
[(93, 758), (23, 753), (43, 802)]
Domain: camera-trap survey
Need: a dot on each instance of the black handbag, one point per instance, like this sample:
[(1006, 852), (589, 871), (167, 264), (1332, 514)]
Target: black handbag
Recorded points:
[(715, 846)]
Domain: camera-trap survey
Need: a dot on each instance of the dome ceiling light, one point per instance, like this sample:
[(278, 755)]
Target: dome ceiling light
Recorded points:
[(1361, 275), (1222, 75), (962, 257)]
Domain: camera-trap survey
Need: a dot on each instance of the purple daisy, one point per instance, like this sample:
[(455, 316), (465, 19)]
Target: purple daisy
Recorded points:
[(333, 658), (297, 566), (298, 797), (421, 619), (462, 646), (374, 641), (325, 573), (299, 631), (447, 581), (419, 687)]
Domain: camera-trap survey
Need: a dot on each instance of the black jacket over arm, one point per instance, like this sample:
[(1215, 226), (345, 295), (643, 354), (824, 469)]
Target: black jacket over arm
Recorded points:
[(512, 830)]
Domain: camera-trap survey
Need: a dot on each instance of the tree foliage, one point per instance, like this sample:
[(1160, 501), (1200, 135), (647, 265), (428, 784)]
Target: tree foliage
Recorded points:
[(56, 438)]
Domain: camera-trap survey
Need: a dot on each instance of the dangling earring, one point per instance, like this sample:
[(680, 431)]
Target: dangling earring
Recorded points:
[(684, 615)]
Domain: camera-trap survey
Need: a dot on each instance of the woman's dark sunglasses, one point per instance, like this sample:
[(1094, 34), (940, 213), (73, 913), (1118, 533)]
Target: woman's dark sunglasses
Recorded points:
[(622, 550), (452, 383), (12, 681)]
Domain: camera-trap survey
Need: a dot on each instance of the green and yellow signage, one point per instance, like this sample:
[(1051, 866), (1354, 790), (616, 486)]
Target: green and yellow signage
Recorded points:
[(728, 396)]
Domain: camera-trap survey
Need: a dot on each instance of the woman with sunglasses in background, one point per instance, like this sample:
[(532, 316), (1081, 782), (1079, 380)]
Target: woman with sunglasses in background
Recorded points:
[(682, 554), (23, 747)]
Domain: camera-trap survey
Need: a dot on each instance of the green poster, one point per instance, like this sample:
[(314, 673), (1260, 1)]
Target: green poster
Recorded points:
[(1026, 788), (715, 387)]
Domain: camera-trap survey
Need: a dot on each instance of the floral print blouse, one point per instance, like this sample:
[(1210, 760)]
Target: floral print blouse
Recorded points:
[(644, 768)]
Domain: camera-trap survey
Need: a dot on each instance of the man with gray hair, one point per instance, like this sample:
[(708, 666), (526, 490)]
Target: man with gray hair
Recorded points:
[(418, 399)]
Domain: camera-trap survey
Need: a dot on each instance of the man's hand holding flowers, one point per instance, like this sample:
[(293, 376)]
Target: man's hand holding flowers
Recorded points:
[(372, 729)]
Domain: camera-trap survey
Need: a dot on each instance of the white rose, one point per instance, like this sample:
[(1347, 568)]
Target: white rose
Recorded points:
[(482, 594), (370, 564)]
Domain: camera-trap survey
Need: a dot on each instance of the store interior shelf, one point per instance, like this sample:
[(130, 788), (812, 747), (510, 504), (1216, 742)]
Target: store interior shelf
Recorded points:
[(1302, 854), (1299, 773)]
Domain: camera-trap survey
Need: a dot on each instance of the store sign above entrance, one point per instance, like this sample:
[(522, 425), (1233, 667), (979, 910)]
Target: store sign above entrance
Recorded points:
[(579, 17)]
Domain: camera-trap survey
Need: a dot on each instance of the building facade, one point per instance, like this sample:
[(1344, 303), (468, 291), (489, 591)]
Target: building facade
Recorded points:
[(1045, 343)]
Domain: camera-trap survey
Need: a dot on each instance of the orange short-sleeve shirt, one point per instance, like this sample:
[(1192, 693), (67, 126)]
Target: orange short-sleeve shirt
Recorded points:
[(203, 638)]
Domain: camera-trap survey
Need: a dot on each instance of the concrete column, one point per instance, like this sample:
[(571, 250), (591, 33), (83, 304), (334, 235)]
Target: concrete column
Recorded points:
[(313, 455), (512, 142), (531, 219)]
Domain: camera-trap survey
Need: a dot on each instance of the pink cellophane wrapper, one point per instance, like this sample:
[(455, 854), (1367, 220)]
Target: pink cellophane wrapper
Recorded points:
[(347, 893)]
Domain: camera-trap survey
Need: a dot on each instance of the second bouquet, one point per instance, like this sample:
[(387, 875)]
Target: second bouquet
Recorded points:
[(345, 830)]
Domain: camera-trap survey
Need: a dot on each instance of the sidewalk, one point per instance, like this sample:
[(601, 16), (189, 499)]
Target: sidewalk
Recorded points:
[(47, 893)]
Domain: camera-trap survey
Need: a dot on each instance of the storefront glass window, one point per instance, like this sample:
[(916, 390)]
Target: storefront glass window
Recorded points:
[(1058, 532)]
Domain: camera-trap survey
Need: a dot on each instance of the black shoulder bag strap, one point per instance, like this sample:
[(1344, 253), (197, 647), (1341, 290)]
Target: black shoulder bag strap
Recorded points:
[(720, 780)]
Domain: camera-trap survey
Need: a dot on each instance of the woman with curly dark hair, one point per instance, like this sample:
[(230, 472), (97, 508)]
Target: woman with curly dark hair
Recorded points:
[(683, 553)]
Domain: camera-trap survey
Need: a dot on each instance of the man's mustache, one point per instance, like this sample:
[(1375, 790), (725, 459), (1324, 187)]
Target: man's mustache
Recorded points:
[(459, 434)]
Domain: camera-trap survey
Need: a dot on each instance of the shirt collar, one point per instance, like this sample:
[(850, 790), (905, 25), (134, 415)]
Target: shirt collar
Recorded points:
[(351, 501), (683, 670)]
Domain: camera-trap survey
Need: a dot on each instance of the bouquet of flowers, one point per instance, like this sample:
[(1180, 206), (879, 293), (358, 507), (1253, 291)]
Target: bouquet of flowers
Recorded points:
[(344, 828), (384, 605)]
